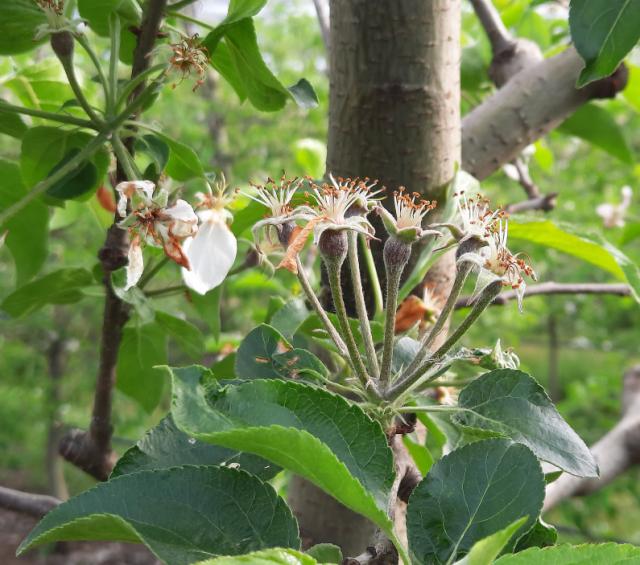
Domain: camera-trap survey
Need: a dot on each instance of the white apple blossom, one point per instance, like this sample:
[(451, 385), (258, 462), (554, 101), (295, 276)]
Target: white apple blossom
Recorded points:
[(613, 215), (410, 211), (497, 262), (56, 20), (151, 222), (212, 251)]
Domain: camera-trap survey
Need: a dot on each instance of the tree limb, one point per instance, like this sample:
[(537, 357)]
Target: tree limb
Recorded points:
[(615, 453), (91, 451), (322, 11), (496, 31), (36, 505), (617, 289), (545, 202), (527, 107)]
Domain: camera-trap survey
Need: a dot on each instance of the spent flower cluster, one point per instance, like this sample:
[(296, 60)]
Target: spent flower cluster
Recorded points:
[(200, 242), (337, 214)]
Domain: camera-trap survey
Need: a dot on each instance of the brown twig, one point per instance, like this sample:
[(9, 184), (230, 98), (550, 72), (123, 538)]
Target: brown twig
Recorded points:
[(617, 289), (91, 451), (546, 202), (36, 505)]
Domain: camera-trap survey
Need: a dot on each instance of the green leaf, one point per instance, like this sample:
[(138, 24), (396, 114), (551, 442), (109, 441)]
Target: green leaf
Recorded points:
[(238, 10), (588, 554), (97, 12), (188, 337), (593, 249), (603, 32), (28, 234), (420, 454), (485, 551), (59, 287), (182, 515), (19, 20), (166, 446), (541, 535), (290, 317), (304, 94), (254, 358), (183, 163), (141, 349), (276, 556), (76, 183), (11, 124), (155, 148), (45, 149), (313, 433), (326, 553), (632, 91), (297, 363), (513, 404), (311, 156), (472, 493), (222, 61), (208, 307), (262, 88), (595, 125)]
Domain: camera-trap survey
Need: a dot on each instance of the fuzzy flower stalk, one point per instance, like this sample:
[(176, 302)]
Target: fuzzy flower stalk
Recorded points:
[(404, 229)]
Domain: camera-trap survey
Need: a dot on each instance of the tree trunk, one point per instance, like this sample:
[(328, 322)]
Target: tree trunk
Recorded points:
[(394, 116)]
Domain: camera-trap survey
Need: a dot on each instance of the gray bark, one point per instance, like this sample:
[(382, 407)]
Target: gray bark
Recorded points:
[(393, 115)]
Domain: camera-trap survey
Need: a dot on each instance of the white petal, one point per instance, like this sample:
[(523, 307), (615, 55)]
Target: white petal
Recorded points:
[(135, 265), (182, 211), (211, 254), (122, 205)]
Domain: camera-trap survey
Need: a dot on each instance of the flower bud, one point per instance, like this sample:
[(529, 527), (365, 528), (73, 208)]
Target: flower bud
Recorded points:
[(285, 231), (471, 245), (62, 45), (333, 246), (396, 253)]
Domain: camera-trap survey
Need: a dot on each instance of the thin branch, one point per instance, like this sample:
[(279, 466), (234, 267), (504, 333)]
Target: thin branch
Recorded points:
[(323, 21), (36, 505), (546, 203), (544, 96), (616, 289), (499, 36), (524, 178), (91, 451)]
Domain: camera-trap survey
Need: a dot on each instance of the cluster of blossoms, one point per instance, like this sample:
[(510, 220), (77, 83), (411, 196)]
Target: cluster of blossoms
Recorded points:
[(201, 243), (487, 230)]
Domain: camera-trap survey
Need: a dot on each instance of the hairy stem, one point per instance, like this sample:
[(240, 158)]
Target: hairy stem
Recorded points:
[(396, 255), (125, 158), (361, 308), (486, 297), (425, 343), (82, 40), (114, 31), (315, 303), (69, 69), (333, 270), (62, 118)]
